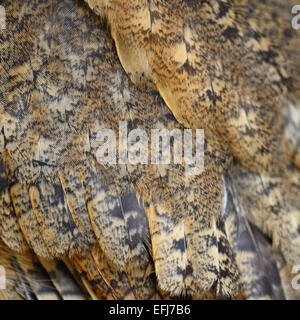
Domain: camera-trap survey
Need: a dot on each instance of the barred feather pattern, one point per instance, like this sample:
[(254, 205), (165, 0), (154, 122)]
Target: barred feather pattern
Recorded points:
[(136, 231)]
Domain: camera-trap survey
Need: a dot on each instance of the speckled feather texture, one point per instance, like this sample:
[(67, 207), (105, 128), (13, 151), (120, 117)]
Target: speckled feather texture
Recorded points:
[(73, 228)]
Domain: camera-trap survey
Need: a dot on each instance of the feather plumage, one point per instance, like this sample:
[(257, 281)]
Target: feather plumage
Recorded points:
[(149, 231)]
